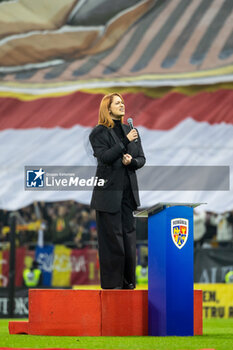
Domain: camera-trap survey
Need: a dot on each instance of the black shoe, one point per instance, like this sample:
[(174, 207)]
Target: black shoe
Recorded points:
[(129, 286)]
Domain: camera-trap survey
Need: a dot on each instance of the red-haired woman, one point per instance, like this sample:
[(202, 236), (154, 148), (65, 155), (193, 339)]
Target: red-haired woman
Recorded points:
[(118, 156)]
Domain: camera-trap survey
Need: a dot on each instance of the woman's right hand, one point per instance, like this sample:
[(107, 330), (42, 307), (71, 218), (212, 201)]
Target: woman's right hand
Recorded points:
[(132, 135), (126, 160)]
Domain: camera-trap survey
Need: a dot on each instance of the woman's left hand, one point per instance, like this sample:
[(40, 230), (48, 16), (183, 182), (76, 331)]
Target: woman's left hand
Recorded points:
[(126, 160)]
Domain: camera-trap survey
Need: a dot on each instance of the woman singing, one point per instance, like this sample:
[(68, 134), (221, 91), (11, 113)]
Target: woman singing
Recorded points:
[(119, 153)]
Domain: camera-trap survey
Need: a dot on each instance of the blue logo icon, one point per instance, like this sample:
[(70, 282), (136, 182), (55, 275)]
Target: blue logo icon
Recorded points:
[(35, 178)]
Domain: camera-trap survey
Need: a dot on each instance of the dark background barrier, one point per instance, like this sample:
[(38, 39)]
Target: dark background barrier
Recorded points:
[(20, 304), (211, 265)]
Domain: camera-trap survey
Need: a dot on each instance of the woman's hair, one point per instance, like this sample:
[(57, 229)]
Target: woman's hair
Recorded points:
[(104, 115)]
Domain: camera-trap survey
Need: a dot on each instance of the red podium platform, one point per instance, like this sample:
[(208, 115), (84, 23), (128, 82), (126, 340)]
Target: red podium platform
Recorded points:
[(92, 313)]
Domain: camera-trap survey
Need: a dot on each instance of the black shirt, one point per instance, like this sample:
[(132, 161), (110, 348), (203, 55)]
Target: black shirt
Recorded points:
[(120, 133)]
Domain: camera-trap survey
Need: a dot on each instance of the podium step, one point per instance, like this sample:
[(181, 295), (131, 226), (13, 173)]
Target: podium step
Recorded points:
[(18, 327), (92, 313), (65, 312), (197, 313)]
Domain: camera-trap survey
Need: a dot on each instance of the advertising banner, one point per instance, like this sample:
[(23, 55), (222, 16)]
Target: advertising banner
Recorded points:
[(44, 256), (93, 266), (217, 300), (19, 265), (60, 266), (79, 262), (21, 303)]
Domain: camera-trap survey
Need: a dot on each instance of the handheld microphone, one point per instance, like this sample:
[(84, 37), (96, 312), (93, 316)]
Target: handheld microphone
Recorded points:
[(130, 122)]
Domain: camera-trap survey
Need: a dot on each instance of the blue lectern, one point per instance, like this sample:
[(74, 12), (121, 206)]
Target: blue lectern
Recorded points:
[(170, 268)]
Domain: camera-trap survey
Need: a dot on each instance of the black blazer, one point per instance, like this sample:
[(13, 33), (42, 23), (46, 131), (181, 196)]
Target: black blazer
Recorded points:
[(108, 149)]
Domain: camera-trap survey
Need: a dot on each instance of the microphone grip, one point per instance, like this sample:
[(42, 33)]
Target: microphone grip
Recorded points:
[(130, 122), (130, 125)]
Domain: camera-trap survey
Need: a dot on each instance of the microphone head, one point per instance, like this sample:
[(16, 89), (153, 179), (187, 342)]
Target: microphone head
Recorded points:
[(130, 121)]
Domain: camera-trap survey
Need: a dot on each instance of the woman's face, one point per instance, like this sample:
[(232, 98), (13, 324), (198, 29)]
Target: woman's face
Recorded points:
[(117, 108)]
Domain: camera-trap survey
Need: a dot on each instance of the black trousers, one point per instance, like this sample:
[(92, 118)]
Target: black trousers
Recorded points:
[(117, 244)]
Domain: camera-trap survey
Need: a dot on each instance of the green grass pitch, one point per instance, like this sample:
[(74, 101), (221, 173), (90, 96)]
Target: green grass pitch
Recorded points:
[(218, 334)]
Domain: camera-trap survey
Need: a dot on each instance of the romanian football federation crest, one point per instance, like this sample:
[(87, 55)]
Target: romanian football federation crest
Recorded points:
[(179, 231)]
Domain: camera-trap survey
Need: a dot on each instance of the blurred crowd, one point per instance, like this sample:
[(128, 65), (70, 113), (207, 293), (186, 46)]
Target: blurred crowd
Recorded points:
[(67, 223), (74, 225), (213, 230)]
